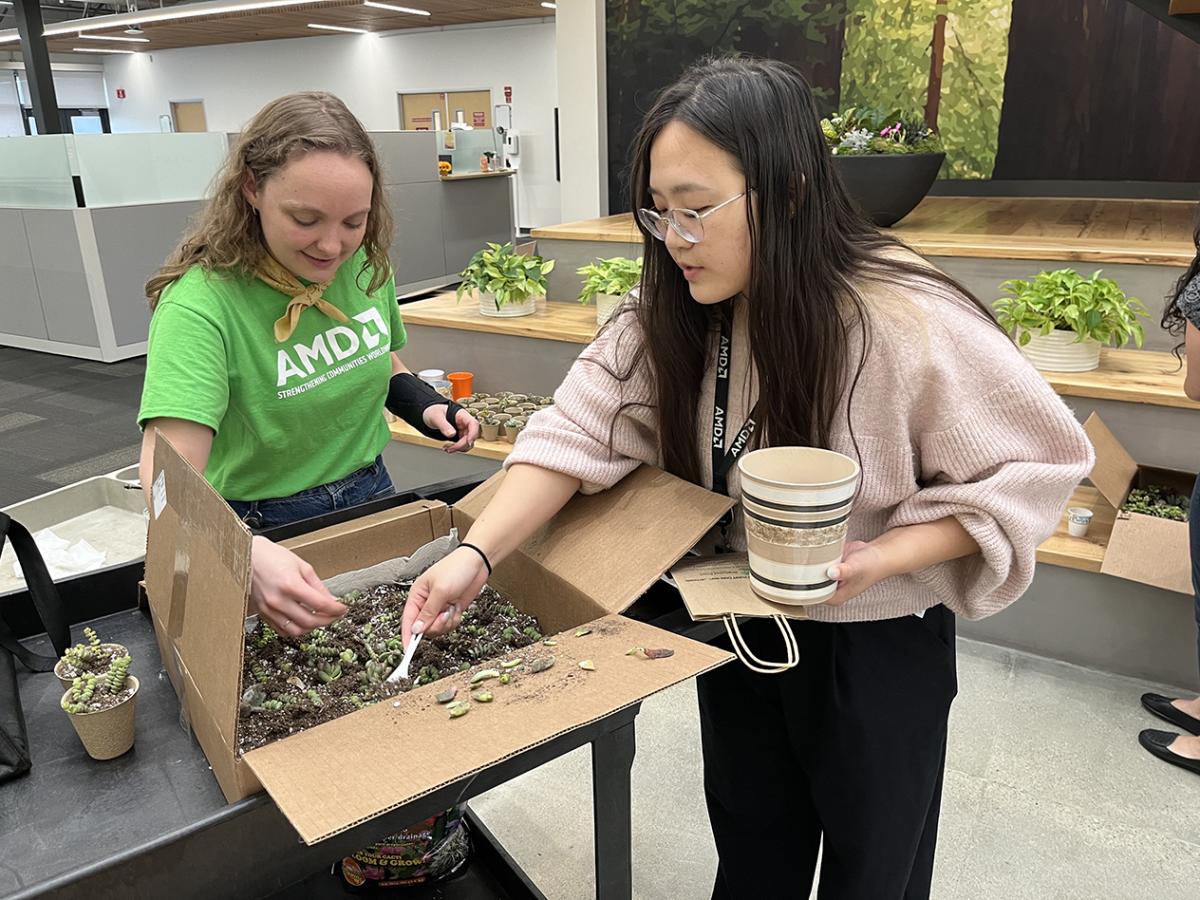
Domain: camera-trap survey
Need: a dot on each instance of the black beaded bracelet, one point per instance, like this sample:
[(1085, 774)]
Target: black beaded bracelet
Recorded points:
[(487, 562)]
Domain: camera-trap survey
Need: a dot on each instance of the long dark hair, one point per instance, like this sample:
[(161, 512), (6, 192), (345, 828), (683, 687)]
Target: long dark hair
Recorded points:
[(808, 246), (1173, 320)]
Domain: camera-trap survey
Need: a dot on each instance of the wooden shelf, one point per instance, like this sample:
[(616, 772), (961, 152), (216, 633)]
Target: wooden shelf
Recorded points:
[(406, 434), (573, 323), (1085, 553), (617, 229), (1131, 376), (1138, 232), (467, 176)]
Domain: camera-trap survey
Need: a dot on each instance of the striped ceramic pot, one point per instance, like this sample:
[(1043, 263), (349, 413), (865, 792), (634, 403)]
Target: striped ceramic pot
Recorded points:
[(796, 503)]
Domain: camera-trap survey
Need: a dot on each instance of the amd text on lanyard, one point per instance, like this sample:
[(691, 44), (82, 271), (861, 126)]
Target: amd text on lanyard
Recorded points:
[(723, 461)]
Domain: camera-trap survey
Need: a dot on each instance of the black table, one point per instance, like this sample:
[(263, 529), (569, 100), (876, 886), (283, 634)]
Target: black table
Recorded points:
[(153, 823)]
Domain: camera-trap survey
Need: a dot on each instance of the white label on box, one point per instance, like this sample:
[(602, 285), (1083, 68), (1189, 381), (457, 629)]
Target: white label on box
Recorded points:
[(159, 493)]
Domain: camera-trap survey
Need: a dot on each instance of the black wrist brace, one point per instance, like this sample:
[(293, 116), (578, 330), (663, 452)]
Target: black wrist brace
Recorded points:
[(408, 397)]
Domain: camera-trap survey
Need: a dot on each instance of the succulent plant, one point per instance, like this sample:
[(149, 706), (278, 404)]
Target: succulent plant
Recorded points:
[(329, 671), (76, 700), (118, 671), (92, 637)]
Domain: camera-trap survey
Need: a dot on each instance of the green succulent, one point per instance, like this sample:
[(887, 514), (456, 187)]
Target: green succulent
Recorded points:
[(329, 671), (92, 637), (76, 700), (118, 671), (1159, 502)]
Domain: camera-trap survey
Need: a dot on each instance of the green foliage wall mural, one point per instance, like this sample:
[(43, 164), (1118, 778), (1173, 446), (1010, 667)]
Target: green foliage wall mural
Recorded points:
[(650, 42), (886, 63)]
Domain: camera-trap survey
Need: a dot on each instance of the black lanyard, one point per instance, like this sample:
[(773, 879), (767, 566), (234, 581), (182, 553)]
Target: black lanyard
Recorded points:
[(722, 460)]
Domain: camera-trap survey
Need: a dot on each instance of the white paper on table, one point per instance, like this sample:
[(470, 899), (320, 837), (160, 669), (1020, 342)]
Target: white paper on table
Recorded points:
[(62, 557)]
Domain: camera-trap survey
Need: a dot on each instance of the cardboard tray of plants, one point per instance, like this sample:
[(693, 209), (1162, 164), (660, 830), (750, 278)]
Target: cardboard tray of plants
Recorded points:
[(314, 722)]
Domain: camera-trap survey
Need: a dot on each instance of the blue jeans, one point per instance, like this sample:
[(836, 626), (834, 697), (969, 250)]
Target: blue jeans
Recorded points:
[(368, 483), (1194, 535)]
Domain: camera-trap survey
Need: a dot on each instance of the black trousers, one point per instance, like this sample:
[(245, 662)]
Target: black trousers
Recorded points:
[(849, 746)]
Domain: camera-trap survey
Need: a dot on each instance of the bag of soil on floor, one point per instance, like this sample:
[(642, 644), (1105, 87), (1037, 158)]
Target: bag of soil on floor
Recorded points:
[(426, 853)]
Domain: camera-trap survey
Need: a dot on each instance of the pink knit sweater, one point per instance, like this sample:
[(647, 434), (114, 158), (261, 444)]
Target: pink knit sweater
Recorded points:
[(950, 420)]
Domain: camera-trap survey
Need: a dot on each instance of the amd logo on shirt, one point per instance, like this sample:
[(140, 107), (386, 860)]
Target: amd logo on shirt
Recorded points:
[(335, 345)]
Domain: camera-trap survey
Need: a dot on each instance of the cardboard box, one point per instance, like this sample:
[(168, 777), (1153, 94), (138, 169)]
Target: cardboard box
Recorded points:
[(1142, 548), (593, 560)]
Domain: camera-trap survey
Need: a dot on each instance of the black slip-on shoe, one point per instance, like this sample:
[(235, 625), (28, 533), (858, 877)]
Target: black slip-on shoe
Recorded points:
[(1163, 708), (1158, 742)]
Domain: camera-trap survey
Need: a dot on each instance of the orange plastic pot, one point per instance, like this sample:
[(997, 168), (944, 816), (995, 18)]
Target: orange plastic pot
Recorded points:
[(461, 384)]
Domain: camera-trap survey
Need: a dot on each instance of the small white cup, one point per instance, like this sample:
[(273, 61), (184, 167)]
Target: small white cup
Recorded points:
[(431, 375), (1078, 521)]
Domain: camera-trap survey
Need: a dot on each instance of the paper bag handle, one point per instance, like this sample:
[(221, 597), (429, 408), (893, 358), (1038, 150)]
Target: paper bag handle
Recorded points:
[(746, 655)]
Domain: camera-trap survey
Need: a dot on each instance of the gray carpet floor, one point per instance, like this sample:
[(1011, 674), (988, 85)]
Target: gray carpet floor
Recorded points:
[(64, 419)]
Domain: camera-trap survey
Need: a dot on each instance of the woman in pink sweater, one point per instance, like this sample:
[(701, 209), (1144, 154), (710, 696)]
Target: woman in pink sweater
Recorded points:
[(770, 313)]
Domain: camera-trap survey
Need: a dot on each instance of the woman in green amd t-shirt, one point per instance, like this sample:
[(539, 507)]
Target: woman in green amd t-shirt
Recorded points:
[(273, 342)]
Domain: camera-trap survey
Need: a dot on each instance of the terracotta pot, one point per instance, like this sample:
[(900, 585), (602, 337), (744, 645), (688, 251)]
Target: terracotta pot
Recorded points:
[(108, 733)]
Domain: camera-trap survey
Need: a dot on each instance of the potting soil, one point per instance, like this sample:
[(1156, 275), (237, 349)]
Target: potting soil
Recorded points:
[(430, 851), (290, 685)]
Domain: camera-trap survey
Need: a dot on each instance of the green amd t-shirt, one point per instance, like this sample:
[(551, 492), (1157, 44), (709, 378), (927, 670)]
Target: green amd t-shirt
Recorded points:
[(287, 416)]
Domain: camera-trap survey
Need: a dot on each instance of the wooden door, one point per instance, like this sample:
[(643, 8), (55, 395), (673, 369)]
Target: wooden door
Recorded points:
[(189, 116), (417, 112), (474, 107)]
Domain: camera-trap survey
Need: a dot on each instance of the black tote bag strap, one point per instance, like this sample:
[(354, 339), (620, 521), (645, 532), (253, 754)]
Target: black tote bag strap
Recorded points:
[(45, 599)]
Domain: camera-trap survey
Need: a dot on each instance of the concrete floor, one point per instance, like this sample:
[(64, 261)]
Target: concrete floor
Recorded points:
[(1048, 795)]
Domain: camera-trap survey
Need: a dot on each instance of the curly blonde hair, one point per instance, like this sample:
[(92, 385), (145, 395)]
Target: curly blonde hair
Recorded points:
[(227, 235)]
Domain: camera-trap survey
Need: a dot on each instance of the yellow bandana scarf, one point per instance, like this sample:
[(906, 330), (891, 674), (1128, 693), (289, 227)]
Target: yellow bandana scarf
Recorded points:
[(303, 296)]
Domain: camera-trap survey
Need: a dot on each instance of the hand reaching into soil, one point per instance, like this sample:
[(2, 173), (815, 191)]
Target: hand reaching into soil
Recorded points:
[(287, 592), (441, 595)]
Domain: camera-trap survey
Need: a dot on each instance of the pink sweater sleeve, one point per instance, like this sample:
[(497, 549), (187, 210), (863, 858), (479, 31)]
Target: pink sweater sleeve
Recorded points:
[(997, 449), (603, 424)]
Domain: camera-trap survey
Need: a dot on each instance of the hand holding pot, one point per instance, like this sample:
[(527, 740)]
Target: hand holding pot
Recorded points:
[(286, 591), (862, 566), (447, 587)]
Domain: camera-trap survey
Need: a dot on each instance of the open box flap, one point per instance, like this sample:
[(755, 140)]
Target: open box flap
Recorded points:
[(1149, 550), (388, 756), (615, 544), (1115, 470), (198, 582)]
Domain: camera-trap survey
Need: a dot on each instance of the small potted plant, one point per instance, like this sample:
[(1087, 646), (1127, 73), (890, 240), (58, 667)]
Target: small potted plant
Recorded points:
[(102, 707), (1061, 319), (90, 658), (508, 283), (489, 427), (512, 428), (608, 280), (887, 161)]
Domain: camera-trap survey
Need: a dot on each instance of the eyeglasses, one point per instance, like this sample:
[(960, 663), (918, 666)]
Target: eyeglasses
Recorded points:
[(687, 223)]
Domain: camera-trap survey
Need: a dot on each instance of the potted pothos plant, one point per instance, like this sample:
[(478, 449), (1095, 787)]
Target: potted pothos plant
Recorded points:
[(607, 281), (887, 160), (1061, 319), (507, 282)]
